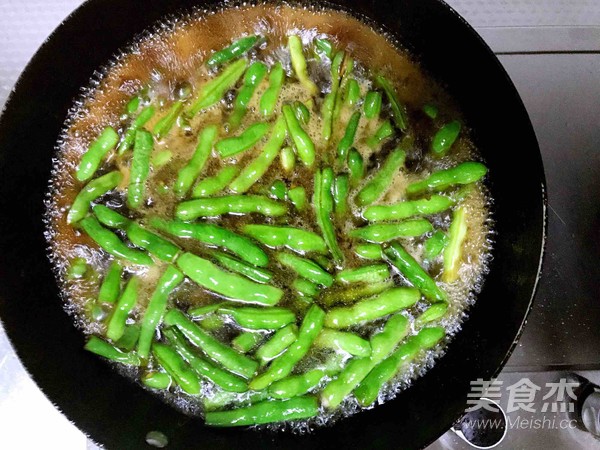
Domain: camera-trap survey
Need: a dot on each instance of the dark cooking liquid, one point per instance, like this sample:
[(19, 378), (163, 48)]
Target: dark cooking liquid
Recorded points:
[(165, 61)]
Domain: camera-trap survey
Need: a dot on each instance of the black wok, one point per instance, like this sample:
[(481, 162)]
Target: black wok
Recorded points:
[(117, 413)]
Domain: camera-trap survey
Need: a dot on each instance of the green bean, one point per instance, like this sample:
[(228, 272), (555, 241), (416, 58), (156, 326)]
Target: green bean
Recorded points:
[(254, 75), (368, 251), (430, 110), (246, 140), (229, 285), (164, 125), (462, 193), (133, 105), (233, 51), (434, 312), (345, 72), (128, 140), (464, 173), (110, 217), (106, 350), (390, 301), (111, 285), (306, 269), (372, 106), (225, 380), (140, 168), (257, 168), (383, 232), (323, 206), (212, 185), (287, 158), (295, 239), (277, 344), (161, 158), (434, 245), (278, 190), (77, 268), (353, 293), (269, 99), (402, 210), (221, 400), (305, 287), (398, 109), (296, 385), (369, 389), (453, 251), (347, 141), (352, 93), (356, 166), (382, 344), (344, 341), (246, 341), (413, 272), (214, 90), (328, 108), (366, 274), (212, 322), (282, 366), (128, 341), (214, 349), (340, 194), (304, 145), (188, 174), (200, 311), (210, 234), (301, 112), (248, 270), (297, 196), (445, 137), (155, 245), (175, 366), (299, 65), (156, 308), (265, 412), (229, 204), (90, 161), (157, 380), (252, 318), (116, 324), (93, 190), (111, 243), (381, 181), (384, 132), (324, 46)]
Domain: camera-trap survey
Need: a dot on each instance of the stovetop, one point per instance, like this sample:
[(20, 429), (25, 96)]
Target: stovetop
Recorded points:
[(551, 50)]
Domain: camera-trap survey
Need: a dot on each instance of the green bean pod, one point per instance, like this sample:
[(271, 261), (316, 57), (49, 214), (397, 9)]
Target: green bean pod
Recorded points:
[(445, 137), (299, 65), (296, 385), (257, 168), (254, 75), (140, 168), (464, 173), (210, 234), (282, 366), (434, 245), (229, 204), (233, 51), (306, 269), (328, 108), (453, 251), (278, 190), (385, 131), (116, 324), (304, 145), (175, 366), (371, 309), (430, 111), (93, 190), (130, 337), (264, 412), (156, 308), (248, 270), (164, 125), (411, 208), (324, 46), (297, 196), (270, 97), (347, 141), (214, 349), (375, 273), (211, 185), (188, 174), (305, 288), (111, 243), (102, 348), (157, 380), (356, 166), (155, 245), (110, 217), (90, 161), (246, 341), (352, 93), (246, 140), (301, 112), (344, 341), (277, 344), (372, 106), (229, 285), (323, 206), (128, 140), (381, 181), (340, 194), (368, 251), (295, 239), (287, 158), (354, 292), (413, 272), (259, 318), (398, 109), (383, 232), (111, 285), (434, 312)]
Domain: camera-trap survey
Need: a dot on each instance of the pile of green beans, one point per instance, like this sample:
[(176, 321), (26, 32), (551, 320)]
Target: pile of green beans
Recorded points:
[(288, 287)]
